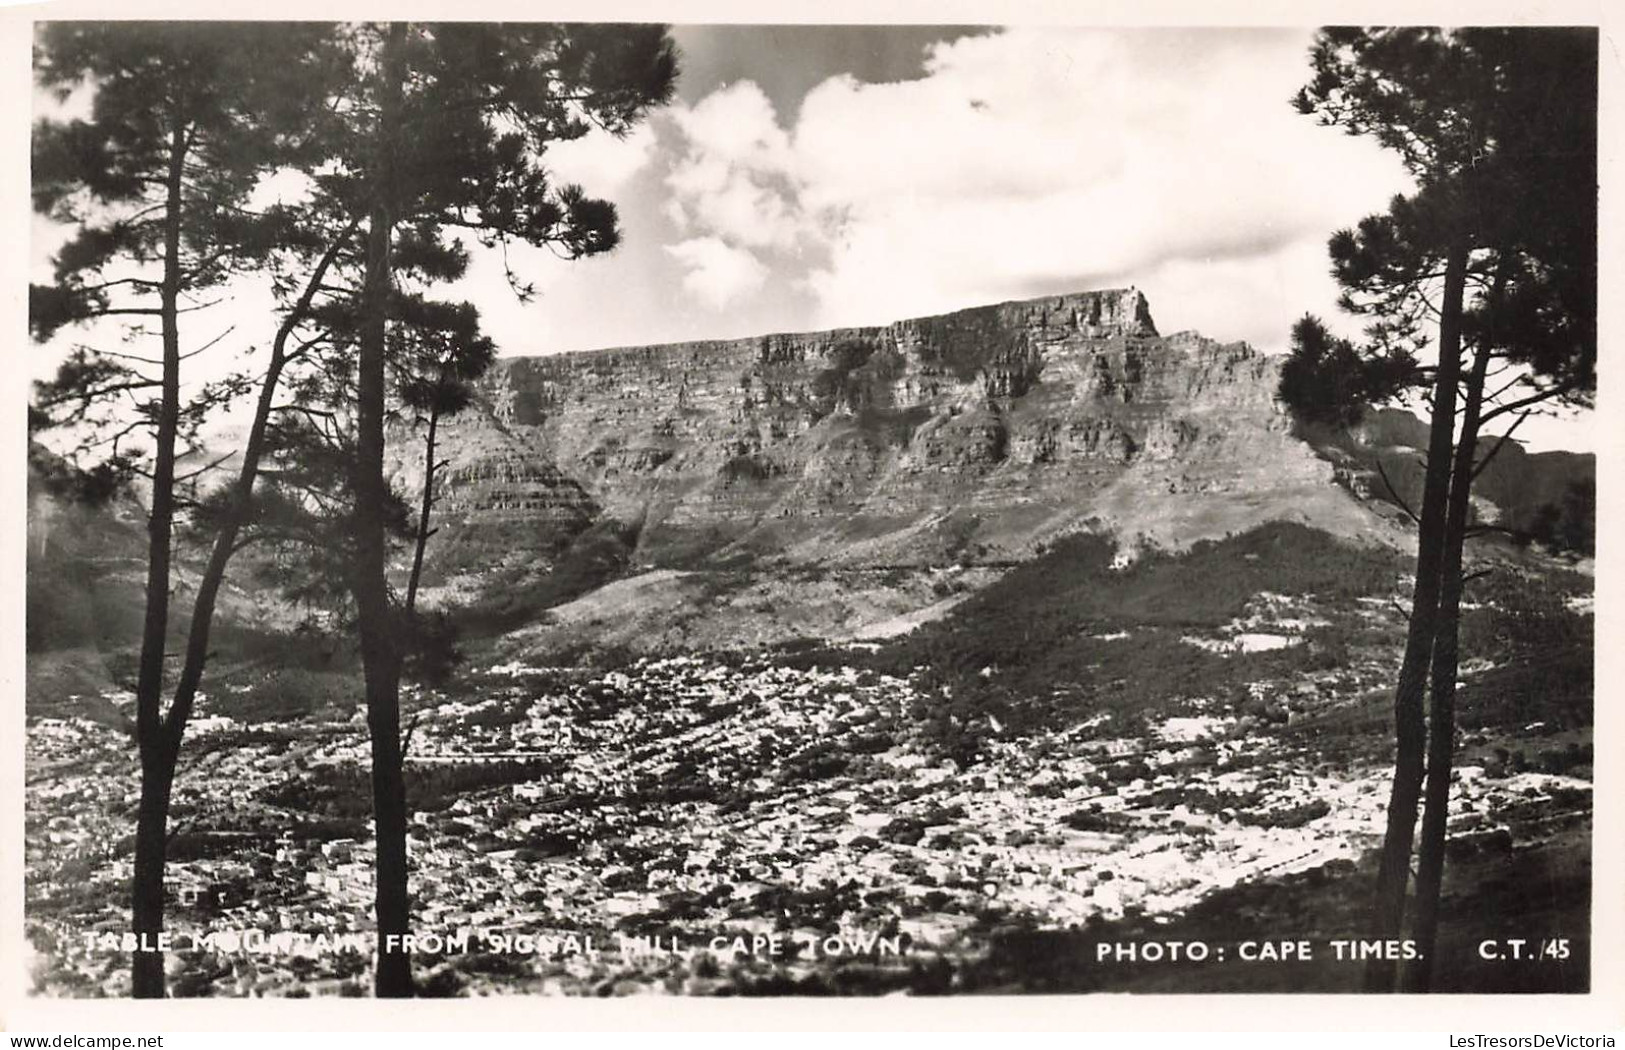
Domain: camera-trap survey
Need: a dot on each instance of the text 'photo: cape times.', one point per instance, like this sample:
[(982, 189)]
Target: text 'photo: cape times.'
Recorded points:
[(786, 510)]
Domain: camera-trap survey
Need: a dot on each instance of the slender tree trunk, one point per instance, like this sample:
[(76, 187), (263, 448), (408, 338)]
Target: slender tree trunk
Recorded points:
[(1442, 690), (225, 541), (157, 759), (147, 896), (380, 655), (1410, 727), (423, 512)]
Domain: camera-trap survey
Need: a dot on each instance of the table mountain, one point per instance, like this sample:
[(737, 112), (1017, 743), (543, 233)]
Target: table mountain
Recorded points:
[(972, 436)]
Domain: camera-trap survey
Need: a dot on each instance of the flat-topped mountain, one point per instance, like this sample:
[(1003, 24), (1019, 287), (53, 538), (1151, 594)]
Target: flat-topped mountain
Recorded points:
[(875, 476), (969, 437)]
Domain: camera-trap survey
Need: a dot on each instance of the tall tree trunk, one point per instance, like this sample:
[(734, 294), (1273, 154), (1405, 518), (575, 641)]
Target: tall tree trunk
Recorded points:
[(1442, 689), (380, 655), (157, 759), (225, 541), (1410, 727), (147, 885), (423, 512)]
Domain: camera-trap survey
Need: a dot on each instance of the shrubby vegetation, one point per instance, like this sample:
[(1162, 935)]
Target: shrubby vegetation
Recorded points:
[(1034, 650), (514, 596), (1571, 523), (1542, 648), (341, 791)]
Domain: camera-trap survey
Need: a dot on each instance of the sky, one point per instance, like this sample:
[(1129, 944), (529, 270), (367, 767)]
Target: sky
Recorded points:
[(811, 177), (814, 177)]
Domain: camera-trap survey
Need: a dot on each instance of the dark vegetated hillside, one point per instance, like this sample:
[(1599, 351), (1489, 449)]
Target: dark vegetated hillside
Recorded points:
[(86, 550), (1037, 648), (512, 542), (85, 593), (515, 595), (1072, 590), (86, 600), (1542, 646), (1549, 494), (75, 603)]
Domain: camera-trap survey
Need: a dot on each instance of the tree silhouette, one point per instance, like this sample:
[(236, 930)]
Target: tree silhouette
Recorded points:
[(1326, 380), (305, 517), (446, 137), (185, 120), (1570, 524), (442, 352), (1497, 127)]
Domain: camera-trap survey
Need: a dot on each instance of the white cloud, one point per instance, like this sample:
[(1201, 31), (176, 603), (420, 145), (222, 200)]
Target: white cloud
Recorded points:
[(1254, 297), (736, 122), (736, 178), (718, 273), (1040, 159), (600, 162)]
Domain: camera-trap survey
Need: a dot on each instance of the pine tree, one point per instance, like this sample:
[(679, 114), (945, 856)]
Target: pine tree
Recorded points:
[(442, 353), (449, 128), (185, 120), (1497, 242)]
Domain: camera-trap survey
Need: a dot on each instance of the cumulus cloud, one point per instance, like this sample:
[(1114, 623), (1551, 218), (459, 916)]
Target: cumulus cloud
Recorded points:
[(736, 177), (718, 273), (1034, 160), (600, 162)]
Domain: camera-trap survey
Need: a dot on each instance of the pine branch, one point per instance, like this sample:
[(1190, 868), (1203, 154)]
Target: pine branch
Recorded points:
[(97, 393), (194, 308), (406, 739), (304, 346), (1521, 379), (1397, 498), (180, 478), (1567, 386), (209, 344), (102, 286), (137, 358)]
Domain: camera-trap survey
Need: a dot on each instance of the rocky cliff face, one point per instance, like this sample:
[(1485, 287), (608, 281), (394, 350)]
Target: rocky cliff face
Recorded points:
[(972, 436)]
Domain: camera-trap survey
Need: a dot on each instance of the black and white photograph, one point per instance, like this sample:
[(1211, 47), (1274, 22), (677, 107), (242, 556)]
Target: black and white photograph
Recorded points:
[(624, 508)]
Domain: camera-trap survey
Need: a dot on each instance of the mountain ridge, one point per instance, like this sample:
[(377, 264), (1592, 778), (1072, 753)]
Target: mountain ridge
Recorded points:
[(975, 435), (875, 475)]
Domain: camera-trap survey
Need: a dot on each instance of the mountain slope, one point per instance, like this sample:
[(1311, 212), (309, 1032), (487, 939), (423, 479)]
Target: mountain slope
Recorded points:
[(971, 437), (880, 474), (1515, 489)]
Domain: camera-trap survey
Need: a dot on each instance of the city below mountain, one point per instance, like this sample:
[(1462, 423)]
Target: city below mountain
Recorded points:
[(949, 651)]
